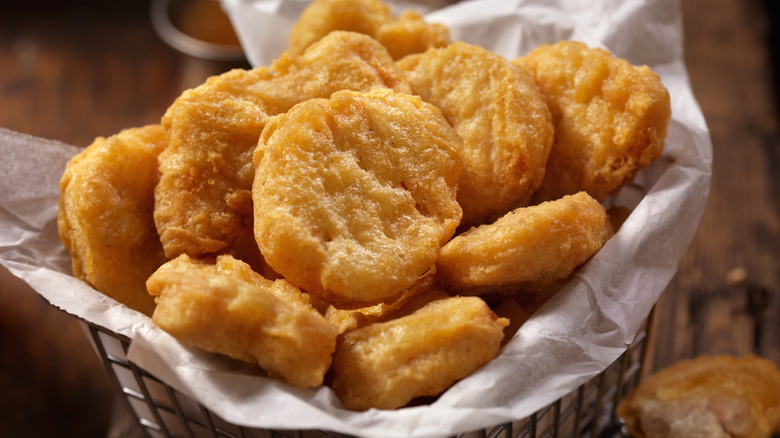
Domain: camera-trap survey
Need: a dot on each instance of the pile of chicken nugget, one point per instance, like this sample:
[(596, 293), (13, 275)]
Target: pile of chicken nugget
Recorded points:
[(377, 211)]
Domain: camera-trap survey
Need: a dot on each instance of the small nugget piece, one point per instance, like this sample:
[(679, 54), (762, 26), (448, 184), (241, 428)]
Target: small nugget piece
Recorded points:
[(706, 397), (386, 365), (410, 33), (228, 264), (282, 290), (528, 249), (421, 292), (105, 214), (216, 308), (354, 194), (203, 200), (610, 118), (402, 36), (502, 117)]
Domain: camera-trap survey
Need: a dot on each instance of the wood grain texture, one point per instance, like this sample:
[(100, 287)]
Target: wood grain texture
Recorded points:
[(725, 298), (73, 72)]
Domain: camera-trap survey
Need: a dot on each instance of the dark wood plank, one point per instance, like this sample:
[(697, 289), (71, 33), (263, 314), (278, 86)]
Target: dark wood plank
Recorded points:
[(83, 69), (725, 299)]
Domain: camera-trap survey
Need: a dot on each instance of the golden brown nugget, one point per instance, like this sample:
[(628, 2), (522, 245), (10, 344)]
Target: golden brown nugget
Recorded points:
[(502, 117), (227, 264), (354, 194), (282, 290), (419, 294), (203, 199), (709, 396), (610, 118), (401, 35), (410, 33), (529, 248), (322, 17), (386, 365), (203, 306), (340, 61), (105, 214)]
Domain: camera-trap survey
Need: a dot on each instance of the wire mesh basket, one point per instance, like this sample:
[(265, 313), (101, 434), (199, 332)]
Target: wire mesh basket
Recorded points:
[(161, 411)]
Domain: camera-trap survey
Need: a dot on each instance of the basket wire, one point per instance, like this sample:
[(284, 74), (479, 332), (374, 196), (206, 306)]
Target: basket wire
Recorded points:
[(161, 411)]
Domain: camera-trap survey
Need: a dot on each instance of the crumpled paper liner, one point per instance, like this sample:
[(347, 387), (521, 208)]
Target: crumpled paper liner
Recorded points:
[(572, 338)]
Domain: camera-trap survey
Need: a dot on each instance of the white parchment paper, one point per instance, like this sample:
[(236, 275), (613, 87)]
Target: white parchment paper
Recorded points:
[(572, 338)]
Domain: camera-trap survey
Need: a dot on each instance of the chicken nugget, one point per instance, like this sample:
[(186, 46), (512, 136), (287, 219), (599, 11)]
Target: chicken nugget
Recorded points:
[(203, 199), (420, 293), (410, 33), (282, 290), (354, 195), (228, 264), (709, 396), (502, 117), (386, 365), (105, 214), (216, 308), (527, 249), (610, 118), (401, 35)]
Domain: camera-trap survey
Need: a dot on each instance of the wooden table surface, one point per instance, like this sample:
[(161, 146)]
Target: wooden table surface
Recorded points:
[(72, 71)]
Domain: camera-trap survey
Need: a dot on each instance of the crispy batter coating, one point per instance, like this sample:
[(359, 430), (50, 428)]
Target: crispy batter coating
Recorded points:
[(709, 396), (528, 249), (282, 290), (354, 194), (401, 35), (410, 33), (500, 113), (386, 365), (203, 199), (610, 118), (340, 61), (105, 214), (419, 294), (321, 17), (221, 309)]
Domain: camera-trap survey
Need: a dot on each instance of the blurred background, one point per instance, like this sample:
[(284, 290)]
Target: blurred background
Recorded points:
[(75, 70)]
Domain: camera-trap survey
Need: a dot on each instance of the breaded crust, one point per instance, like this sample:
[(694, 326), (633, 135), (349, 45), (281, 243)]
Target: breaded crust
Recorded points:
[(105, 214), (215, 308), (610, 118), (410, 33), (401, 35), (420, 293), (527, 249), (712, 396), (203, 200), (386, 365), (502, 117), (354, 194)]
